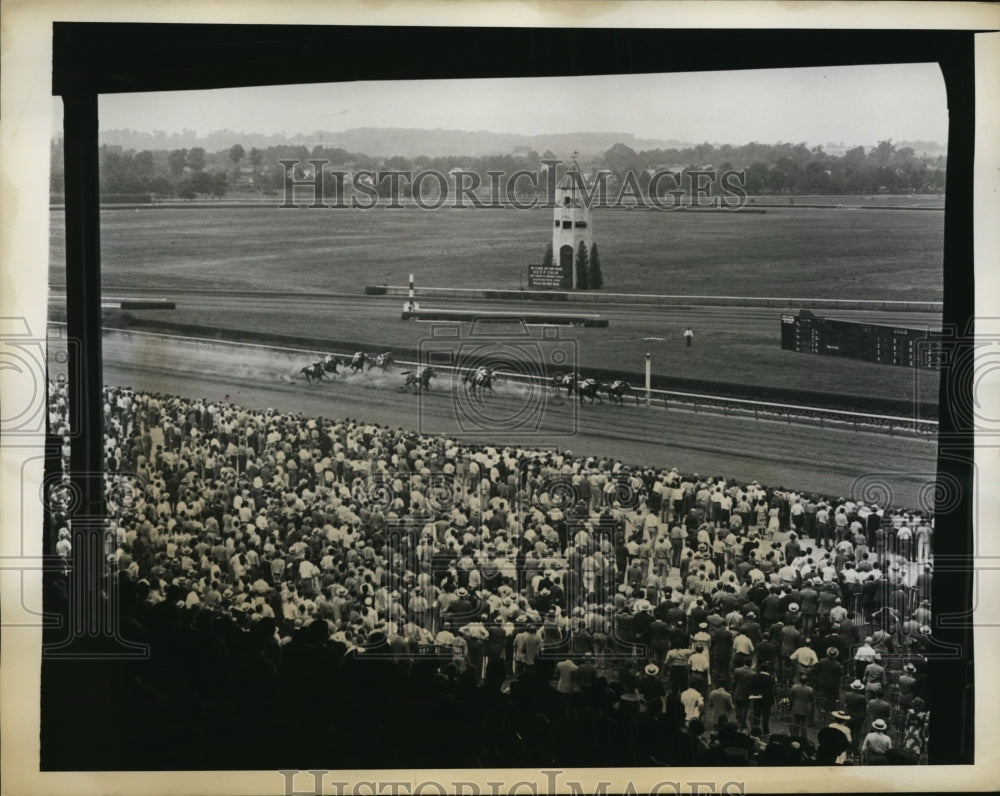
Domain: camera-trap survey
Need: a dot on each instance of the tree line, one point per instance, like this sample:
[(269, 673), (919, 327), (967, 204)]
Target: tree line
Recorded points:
[(787, 168), (587, 266), (781, 169)]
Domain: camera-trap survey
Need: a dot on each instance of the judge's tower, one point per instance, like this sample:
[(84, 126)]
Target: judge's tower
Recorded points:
[(571, 223)]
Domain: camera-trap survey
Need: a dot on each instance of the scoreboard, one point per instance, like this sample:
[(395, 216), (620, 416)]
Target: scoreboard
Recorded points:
[(887, 345)]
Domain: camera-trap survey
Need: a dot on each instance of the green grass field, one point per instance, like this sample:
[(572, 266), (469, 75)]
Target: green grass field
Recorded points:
[(785, 252)]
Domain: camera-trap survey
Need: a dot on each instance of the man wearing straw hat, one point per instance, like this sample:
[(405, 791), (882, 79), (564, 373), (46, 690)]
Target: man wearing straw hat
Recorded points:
[(835, 740), (876, 744), (856, 704), (652, 689)]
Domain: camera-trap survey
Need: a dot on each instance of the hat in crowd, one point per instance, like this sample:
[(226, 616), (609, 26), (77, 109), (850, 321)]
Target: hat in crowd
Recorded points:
[(879, 725), (868, 639), (832, 652), (909, 668), (925, 630), (703, 626), (463, 592), (841, 715), (652, 670), (917, 703), (793, 607), (857, 685)]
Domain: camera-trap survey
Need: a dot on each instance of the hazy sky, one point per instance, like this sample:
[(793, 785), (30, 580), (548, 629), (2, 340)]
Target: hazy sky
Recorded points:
[(854, 104)]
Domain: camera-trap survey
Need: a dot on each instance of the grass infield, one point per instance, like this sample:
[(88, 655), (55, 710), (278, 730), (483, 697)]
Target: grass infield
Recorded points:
[(788, 251)]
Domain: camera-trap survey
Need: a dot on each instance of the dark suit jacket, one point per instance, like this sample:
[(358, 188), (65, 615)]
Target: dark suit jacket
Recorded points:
[(741, 683), (762, 684)]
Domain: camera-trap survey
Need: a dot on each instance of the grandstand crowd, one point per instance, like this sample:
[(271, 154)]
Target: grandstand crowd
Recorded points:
[(344, 594)]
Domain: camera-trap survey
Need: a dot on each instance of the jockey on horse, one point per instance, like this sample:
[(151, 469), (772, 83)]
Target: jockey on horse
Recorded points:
[(383, 361), (589, 388), (314, 371), (420, 378), (568, 381), (617, 390), (330, 364), (358, 361), (480, 378)]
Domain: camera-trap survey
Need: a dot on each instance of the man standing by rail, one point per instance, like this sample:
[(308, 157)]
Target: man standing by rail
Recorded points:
[(688, 336)]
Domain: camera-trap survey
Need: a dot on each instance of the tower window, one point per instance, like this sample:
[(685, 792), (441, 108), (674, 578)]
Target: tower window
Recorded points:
[(581, 224), (567, 225), (557, 223)]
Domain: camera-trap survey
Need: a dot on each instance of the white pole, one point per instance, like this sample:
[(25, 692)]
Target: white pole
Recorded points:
[(648, 376), (411, 288)]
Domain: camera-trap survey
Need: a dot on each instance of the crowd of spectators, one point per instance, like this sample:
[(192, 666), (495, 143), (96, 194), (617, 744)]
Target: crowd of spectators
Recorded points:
[(337, 593)]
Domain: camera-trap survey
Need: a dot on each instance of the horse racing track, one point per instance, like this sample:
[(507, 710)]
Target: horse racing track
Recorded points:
[(830, 459)]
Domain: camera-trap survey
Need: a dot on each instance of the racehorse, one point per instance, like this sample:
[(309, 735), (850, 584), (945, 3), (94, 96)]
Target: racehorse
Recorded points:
[(590, 388), (617, 389), (383, 361), (479, 379), (358, 361), (419, 378), (314, 371), (567, 380), (330, 364)]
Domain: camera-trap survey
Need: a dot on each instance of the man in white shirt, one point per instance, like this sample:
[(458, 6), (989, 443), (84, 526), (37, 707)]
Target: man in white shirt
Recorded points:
[(742, 650), (806, 658), (693, 702)]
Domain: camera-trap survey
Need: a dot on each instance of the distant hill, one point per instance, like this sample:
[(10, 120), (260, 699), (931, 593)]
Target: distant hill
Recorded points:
[(410, 143), (388, 141), (436, 143)]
